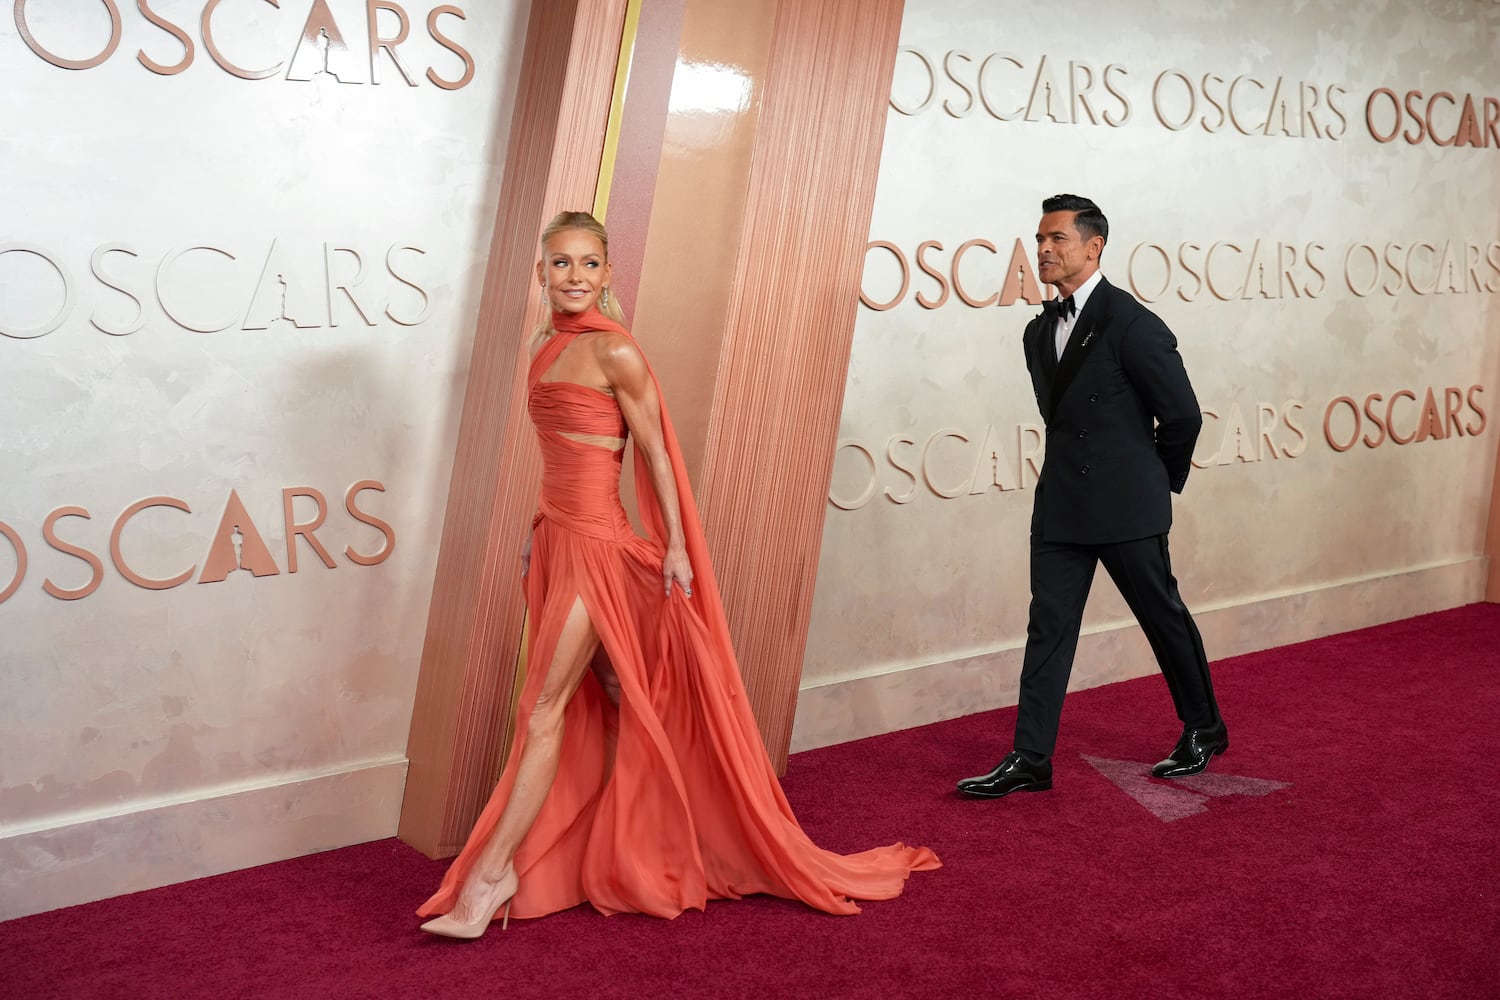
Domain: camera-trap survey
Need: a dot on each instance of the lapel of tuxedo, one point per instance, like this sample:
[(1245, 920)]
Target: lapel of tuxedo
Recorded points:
[(1080, 341)]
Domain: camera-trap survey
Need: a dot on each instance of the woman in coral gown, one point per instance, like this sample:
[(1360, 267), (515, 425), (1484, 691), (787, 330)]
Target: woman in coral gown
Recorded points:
[(637, 780)]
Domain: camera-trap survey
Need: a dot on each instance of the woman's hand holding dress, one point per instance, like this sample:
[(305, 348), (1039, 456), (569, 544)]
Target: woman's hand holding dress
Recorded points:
[(675, 567)]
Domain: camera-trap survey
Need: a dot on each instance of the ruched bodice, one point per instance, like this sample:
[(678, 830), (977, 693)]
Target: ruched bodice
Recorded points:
[(580, 480), (664, 799)]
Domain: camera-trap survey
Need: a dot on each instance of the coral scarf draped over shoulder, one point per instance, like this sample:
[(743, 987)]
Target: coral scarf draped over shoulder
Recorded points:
[(669, 799)]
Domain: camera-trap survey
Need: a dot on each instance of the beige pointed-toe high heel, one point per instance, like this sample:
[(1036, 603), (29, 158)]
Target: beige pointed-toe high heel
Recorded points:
[(447, 926)]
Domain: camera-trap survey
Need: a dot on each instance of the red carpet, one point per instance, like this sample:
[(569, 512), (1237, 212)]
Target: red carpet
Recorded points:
[(1371, 870)]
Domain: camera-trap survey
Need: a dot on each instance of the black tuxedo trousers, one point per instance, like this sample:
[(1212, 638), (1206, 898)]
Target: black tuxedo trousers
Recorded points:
[(1061, 574)]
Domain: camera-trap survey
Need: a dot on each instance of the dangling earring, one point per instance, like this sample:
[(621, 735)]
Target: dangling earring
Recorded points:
[(604, 297), (544, 293)]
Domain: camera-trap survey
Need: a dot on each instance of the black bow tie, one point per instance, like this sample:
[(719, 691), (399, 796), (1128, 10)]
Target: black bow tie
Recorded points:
[(1059, 308)]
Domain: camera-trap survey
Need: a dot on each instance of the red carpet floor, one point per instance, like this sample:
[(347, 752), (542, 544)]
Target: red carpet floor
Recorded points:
[(1363, 862)]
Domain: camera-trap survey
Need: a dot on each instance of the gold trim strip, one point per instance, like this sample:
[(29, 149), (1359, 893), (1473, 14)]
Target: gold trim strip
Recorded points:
[(616, 108)]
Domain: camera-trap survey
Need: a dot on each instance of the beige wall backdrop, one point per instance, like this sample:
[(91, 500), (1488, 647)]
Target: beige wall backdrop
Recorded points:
[(251, 269), (1309, 197), (239, 275)]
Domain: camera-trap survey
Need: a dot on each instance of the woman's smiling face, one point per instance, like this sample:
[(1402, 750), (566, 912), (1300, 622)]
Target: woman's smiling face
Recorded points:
[(573, 270)]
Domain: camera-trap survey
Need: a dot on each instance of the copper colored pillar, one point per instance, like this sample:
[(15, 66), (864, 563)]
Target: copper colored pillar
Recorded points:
[(760, 210), (774, 420), (763, 393), (465, 687)]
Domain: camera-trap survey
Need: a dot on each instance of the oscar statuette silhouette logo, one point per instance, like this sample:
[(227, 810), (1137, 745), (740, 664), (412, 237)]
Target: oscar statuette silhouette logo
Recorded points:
[(1182, 797), (237, 545)]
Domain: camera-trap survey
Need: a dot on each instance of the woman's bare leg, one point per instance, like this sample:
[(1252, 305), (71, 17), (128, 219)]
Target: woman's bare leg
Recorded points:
[(492, 871)]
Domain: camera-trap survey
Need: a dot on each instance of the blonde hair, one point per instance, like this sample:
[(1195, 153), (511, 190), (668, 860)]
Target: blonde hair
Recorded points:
[(563, 222)]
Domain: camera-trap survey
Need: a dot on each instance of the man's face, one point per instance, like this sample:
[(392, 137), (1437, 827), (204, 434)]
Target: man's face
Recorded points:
[(1063, 258)]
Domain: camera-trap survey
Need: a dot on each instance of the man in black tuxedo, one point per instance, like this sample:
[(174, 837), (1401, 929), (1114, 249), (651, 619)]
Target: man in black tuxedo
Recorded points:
[(1121, 422)]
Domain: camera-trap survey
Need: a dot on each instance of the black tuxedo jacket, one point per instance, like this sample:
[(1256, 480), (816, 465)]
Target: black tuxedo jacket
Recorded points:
[(1121, 422)]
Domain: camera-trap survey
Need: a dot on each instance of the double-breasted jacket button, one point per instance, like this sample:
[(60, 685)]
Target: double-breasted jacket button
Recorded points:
[(1083, 433), (1085, 470), (1093, 397)]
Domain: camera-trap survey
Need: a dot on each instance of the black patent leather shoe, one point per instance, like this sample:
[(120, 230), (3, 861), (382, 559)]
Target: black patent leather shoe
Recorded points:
[(1014, 774), (1193, 752)]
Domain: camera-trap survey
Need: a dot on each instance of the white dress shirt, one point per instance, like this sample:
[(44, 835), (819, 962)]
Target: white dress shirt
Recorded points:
[(1065, 326)]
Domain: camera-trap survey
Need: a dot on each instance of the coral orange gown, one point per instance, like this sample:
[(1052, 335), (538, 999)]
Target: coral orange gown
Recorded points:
[(689, 808)]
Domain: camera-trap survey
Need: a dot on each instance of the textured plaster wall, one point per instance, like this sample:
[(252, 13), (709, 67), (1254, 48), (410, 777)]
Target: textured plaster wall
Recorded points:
[(219, 287), (1298, 258)]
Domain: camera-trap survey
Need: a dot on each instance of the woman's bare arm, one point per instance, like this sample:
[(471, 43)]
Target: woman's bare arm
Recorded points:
[(635, 391)]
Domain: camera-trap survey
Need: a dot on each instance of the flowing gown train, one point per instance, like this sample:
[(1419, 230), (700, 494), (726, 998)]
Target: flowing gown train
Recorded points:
[(689, 808)]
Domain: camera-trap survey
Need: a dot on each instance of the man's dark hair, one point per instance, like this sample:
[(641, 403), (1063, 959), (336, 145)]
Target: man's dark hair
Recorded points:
[(1089, 221)]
